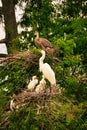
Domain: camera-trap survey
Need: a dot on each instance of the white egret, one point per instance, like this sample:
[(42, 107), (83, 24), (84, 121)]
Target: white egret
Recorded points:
[(47, 71), (32, 83), (41, 86)]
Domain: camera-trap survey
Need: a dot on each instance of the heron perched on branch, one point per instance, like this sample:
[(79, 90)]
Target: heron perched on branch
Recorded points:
[(44, 44), (47, 71)]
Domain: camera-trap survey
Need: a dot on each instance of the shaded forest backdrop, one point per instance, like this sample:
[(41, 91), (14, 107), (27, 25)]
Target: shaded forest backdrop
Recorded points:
[(63, 23)]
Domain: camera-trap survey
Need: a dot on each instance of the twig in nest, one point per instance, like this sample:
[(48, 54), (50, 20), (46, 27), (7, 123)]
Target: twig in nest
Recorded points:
[(26, 97)]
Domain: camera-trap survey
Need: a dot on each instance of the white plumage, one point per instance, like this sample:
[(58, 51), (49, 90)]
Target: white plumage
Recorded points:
[(12, 105), (41, 86), (32, 83), (47, 70)]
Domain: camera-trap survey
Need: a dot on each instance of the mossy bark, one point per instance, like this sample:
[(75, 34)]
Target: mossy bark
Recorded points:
[(10, 21)]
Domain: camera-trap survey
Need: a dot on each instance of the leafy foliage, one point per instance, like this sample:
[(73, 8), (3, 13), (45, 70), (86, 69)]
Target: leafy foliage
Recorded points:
[(69, 36), (74, 8)]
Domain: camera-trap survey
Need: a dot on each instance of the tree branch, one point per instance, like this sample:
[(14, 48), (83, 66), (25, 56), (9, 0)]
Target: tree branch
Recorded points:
[(27, 55)]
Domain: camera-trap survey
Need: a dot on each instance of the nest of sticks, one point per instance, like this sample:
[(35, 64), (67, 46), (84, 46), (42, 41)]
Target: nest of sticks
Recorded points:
[(25, 97)]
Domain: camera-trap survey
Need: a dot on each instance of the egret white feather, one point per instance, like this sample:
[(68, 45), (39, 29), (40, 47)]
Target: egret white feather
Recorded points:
[(41, 86), (46, 69), (12, 105), (32, 83)]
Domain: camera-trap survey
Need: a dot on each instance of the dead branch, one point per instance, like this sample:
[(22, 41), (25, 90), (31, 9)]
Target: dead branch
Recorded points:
[(25, 97), (27, 55)]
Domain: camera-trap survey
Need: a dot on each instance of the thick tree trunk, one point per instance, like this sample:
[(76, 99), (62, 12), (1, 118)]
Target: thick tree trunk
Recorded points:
[(10, 20)]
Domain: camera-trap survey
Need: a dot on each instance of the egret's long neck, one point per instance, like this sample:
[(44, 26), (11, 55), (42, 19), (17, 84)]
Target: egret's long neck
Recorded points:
[(42, 59), (37, 35)]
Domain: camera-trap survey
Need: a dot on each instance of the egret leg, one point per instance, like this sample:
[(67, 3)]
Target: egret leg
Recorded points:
[(52, 88)]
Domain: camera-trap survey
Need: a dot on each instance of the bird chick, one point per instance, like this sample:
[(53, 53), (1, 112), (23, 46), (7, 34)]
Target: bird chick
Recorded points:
[(41, 86), (32, 83)]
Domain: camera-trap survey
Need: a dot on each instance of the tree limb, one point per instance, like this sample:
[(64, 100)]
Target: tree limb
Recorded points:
[(27, 55)]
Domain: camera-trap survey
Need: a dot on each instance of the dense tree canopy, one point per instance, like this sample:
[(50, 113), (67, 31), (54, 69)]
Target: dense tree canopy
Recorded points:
[(65, 25)]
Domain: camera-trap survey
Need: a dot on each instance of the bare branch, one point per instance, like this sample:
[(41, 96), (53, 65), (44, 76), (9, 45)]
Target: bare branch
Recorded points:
[(27, 55)]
